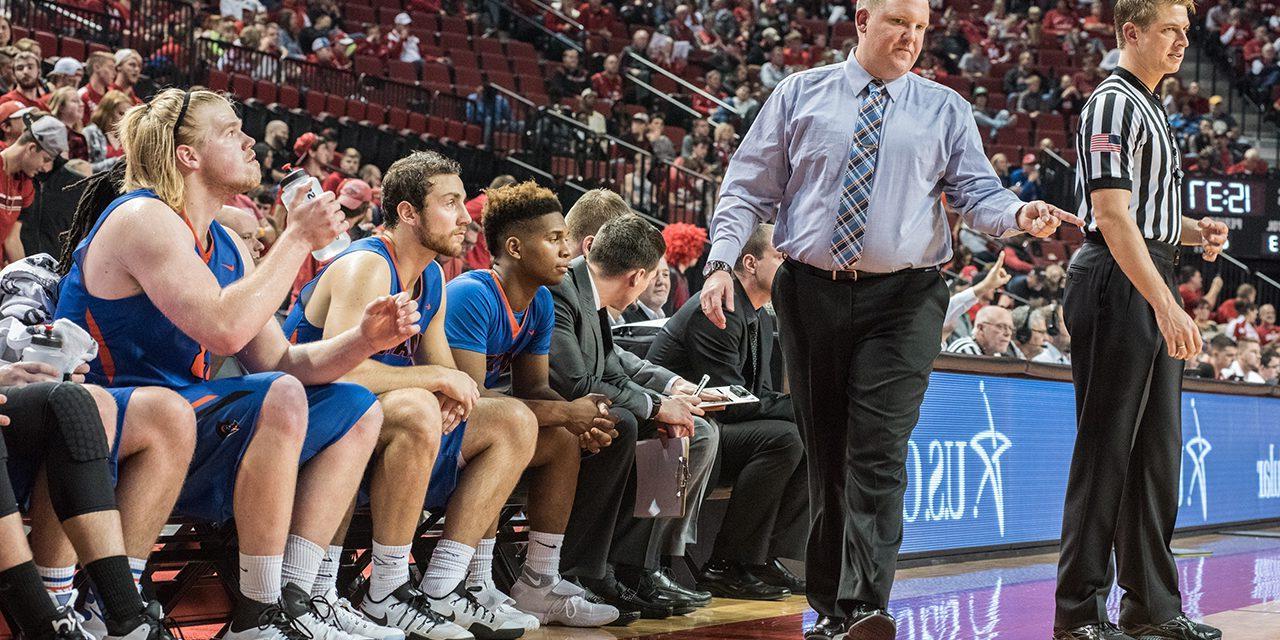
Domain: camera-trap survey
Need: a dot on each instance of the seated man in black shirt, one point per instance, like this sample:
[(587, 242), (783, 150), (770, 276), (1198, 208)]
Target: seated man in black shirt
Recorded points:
[(760, 446)]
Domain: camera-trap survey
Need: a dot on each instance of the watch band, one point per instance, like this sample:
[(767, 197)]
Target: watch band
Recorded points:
[(716, 265)]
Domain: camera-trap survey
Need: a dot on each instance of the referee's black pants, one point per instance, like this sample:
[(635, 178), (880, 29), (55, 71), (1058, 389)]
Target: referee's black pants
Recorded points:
[(858, 354), (1122, 491)]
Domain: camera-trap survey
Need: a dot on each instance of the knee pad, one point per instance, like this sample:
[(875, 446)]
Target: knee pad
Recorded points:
[(75, 416)]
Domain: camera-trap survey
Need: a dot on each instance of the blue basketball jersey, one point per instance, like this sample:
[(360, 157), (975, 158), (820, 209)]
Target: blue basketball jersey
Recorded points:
[(430, 284), (137, 344), (481, 320)]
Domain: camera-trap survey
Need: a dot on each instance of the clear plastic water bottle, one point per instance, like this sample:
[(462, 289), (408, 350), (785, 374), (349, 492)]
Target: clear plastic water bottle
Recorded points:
[(46, 347), (298, 187)]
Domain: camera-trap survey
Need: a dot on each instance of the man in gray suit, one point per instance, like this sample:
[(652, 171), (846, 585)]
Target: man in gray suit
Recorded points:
[(584, 360)]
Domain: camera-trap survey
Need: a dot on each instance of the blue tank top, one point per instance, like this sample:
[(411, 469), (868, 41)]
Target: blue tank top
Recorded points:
[(137, 344), (430, 284)]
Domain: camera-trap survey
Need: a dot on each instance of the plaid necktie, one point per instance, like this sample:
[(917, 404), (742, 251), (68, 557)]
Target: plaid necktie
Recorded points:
[(851, 221)]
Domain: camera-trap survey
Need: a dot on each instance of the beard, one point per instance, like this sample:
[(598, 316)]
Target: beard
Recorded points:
[(441, 243)]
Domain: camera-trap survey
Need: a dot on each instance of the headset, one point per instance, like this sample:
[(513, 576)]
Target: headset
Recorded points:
[(1022, 333)]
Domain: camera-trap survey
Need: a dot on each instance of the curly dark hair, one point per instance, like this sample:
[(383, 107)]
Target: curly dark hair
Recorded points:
[(507, 208), (409, 180)]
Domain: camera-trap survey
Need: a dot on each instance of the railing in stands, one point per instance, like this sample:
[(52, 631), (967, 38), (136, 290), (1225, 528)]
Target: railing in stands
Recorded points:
[(300, 74), (689, 86), (532, 23), (665, 191), (162, 31), (1216, 74)]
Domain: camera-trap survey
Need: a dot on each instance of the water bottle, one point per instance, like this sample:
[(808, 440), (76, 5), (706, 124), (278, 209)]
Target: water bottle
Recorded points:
[(298, 187), (46, 347)]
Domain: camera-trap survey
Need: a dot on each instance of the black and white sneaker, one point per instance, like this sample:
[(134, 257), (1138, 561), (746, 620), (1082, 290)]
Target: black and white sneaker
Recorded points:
[(147, 625), (274, 623), (407, 609), (69, 625), (461, 607)]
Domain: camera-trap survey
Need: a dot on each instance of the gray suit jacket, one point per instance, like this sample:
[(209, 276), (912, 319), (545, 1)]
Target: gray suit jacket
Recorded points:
[(579, 363)]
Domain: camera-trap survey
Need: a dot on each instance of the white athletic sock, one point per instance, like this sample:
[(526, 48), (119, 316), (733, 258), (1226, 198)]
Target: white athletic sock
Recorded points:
[(544, 553), (57, 581), (448, 568), (260, 578), (138, 566), (390, 569), (302, 559), (327, 575), (480, 574)]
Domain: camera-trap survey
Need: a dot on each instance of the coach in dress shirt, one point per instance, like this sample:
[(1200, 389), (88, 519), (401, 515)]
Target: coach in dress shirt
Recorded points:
[(851, 161)]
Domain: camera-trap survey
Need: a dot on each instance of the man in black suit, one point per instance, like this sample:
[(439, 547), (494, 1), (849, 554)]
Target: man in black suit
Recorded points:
[(611, 552), (760, 444), (651, 302)]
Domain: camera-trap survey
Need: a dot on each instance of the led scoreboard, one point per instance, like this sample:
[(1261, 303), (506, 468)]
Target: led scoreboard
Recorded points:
[(1249, 206)]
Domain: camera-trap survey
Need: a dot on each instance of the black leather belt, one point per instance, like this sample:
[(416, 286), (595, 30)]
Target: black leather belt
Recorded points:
[(1159, 250), (853, 275)]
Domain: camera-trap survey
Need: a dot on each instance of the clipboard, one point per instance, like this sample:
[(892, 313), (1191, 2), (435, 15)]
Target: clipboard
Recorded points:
[(662, 478), (737, 395)]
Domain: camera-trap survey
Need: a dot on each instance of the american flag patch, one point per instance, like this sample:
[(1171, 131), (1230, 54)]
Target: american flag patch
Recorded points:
[(1104, 143)]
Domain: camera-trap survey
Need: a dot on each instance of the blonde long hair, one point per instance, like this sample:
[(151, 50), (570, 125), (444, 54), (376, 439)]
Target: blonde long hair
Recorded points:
[(147, 134)]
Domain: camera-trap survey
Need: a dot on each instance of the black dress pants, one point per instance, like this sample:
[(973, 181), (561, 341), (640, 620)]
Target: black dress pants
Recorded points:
[(605, 497), (768, 514), (859, 354), (1122, 491)]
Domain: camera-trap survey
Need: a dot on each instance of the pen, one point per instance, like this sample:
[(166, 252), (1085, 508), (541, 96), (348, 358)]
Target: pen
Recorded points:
[(705, 379)]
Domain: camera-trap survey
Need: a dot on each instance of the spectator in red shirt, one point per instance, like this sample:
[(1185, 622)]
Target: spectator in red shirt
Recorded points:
[(373, 44), (715, 87), (679, 26), (478, 256), (1252, 49), (32, 153), (1096, 25), (128, 70), (1088, 77), (26, 74), (11, 121), (1251, 165), (1059, 20), (1192, 291), (1268, 330), (794, 53), (1235, 32), (596, 17), (1199, 104), (348, 167), (322, 54), (102, 71), (608, 82), (1227, 310)]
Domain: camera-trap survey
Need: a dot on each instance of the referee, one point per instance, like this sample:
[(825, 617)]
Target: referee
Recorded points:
[(1129, 333)]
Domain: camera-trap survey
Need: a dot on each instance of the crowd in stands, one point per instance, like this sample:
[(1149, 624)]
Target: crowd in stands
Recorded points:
[(1243, 37)]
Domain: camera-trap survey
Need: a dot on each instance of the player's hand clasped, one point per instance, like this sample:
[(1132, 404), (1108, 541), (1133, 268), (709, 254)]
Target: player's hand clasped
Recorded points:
[(1042, 219), (458, 394)]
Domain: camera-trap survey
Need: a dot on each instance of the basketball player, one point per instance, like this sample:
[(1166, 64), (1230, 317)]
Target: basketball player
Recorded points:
[(162, 288), (433, 410)]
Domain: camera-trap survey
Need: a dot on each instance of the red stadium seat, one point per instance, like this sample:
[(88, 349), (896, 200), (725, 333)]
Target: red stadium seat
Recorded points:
[(266, 92), (521, 49), (73, 48), (507, 141), (424, 20), (526, 68), (1050, 122), (369, 65), (314, 102), (335, 106), (398, 119), (241, 86), (454, 24), (219, 80), (466, 79), (387, 17), (494, 62), (359, 13), (435, 72), (473, 135), (452, 41), (375, 114), (17, 33), (48, 43), (488, 45), (502, 79), (355, 110), (841, 30), (417, 123), (437, 127), (405, 71), (960, 83), (289, 98), (389, 4), (462, 58)]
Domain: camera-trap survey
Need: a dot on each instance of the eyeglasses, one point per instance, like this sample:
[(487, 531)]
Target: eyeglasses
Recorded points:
[(1002, 328)]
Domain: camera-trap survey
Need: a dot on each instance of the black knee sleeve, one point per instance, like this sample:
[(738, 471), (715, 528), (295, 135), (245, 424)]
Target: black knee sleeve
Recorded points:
[(8, 502), (77, 466)]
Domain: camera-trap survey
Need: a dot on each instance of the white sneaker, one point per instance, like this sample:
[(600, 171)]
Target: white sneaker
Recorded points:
[(94, 621), (502, 606), (406, 609), (554, 600), (297, 603), (461, 607), (342, 615), (69, 625), (274, 623)]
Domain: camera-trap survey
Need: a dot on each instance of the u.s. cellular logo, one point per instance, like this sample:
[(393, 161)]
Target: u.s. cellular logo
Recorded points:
[(1269, 475)]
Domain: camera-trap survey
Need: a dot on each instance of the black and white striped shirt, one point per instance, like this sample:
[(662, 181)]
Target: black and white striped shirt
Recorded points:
[(1125, 143)]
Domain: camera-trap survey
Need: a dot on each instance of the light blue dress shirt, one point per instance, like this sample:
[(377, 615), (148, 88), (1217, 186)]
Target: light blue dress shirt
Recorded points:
[(791, 165)]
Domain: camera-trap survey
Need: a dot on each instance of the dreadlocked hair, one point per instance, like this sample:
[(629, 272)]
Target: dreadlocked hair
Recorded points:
[(99, 190)]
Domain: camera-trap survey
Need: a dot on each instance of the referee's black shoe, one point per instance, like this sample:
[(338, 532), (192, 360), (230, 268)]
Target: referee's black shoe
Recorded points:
[(778, 575), (826, 628), (1103, 631), (1179, 628), (727, 579), (664, 580), (643, 583), (869, 623)]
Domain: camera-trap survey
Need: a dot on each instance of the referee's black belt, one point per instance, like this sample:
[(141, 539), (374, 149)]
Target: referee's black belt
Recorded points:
[(853, 275), (1158, 249)]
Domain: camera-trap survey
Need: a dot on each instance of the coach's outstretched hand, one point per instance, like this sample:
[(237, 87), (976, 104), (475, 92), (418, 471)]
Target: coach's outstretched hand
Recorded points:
[(389, 321), (1041, 219)]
